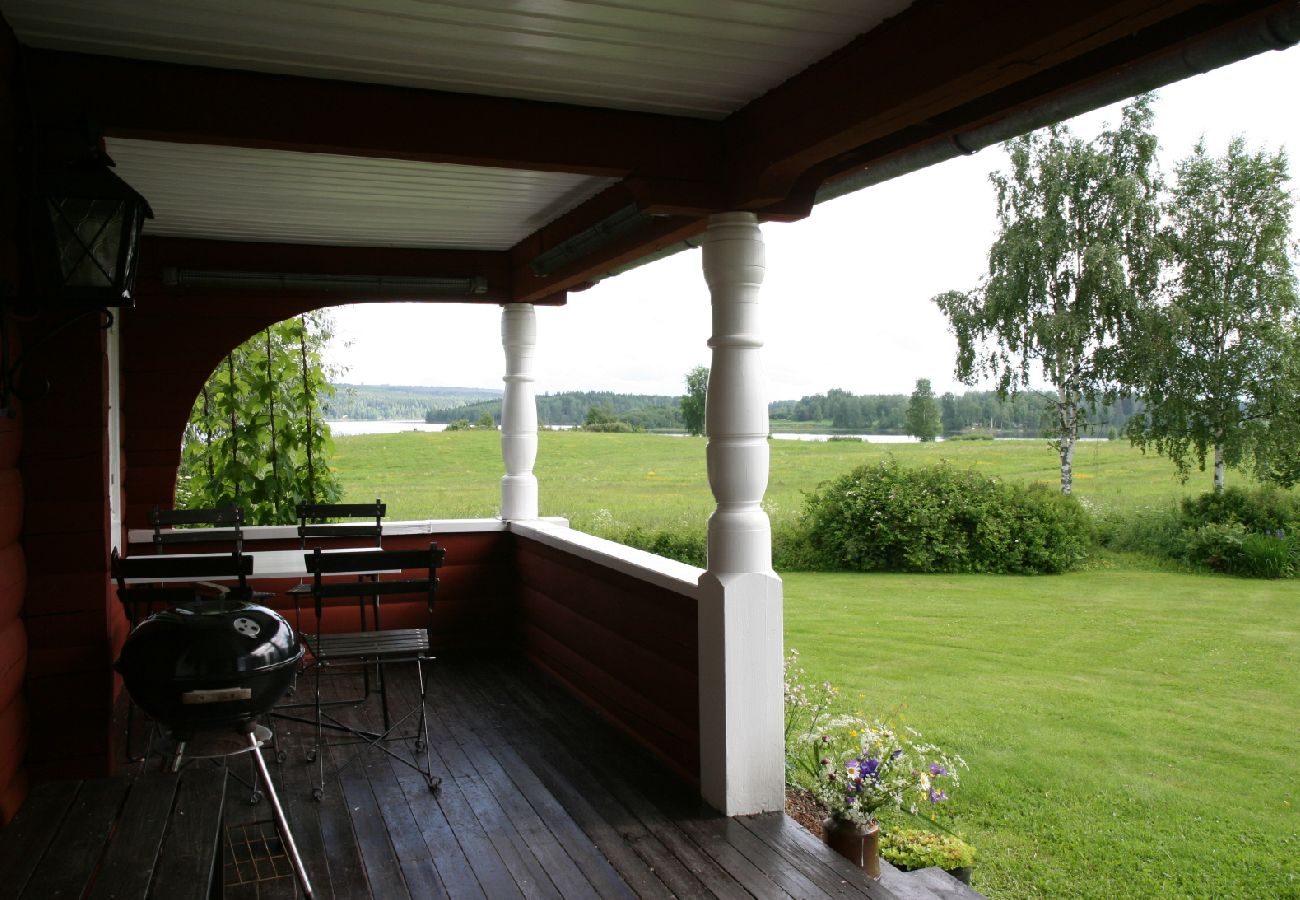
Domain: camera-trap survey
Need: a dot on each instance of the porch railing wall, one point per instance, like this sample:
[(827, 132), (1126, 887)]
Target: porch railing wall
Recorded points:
[(618, 627)]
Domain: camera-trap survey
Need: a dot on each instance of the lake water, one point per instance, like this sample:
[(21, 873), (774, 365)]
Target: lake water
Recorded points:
[(869, 438), (387, 427), (369, 427)]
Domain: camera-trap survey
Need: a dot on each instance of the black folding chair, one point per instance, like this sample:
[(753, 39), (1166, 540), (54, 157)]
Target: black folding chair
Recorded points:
[(376, 646), (224, 525), (318, 524), (320, 520)]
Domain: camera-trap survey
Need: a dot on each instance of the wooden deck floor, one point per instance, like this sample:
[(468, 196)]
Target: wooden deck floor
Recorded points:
[(539, 798)]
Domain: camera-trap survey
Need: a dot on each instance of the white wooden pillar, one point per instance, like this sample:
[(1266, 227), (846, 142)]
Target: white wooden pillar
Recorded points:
[(519, 413), (742, 734)]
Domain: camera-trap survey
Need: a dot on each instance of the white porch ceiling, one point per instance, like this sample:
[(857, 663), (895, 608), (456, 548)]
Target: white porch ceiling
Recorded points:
[(234, 193), (683, 57)]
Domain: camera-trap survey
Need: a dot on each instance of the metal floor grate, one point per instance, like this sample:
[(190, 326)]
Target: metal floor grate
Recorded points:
[(255, 854)]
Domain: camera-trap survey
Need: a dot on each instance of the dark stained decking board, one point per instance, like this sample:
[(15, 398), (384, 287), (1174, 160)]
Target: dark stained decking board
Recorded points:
[(539, 798)]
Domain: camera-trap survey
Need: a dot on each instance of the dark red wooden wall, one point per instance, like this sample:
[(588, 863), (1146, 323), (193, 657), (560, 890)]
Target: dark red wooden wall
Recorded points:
[(13, 567), (624, 646)]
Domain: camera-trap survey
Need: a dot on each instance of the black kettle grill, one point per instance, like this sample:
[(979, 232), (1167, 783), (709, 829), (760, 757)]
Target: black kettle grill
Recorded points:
[(210, 663)]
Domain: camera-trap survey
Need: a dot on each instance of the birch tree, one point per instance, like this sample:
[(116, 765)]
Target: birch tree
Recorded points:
[(923, 418), (1218, 367), (1075, 254)]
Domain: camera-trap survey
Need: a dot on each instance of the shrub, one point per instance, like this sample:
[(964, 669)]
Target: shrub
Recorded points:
[(970, 436), (940, 519), (1155, 531), (682, 544), (611, 427), (1268, 556), (1215, 546), (1262, 510)]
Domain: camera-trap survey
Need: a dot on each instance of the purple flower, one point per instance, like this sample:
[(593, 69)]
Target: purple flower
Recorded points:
[(896, 754), (937, 796), (870, 767), (936, 769)]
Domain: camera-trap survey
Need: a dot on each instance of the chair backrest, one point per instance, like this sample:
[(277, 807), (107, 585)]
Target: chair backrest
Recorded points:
[(167, 580), (318, 520), (226, 524), (418, 569)]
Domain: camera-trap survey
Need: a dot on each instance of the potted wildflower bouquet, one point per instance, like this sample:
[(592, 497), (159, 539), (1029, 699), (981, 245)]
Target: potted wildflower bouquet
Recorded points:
[(856, 768)]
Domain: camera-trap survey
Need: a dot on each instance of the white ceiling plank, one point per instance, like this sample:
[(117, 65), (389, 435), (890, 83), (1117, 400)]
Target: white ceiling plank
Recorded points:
[(677, 56), (235, 193)]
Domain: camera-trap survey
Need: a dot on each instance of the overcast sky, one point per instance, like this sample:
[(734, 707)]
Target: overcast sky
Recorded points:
[(846, 299)]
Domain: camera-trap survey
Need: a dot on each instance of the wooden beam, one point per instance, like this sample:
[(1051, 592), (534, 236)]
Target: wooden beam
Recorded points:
[(225, 107), (880, 86), (659, 233)]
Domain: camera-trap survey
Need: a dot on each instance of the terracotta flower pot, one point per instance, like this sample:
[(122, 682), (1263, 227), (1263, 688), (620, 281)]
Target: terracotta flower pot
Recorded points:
[(859, 844)]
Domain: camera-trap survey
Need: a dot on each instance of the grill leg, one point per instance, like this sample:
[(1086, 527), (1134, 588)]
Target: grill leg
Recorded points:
[(281, 823), (178, 755)]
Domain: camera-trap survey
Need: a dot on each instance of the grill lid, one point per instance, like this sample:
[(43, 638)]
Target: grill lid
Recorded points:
[(206, 640)]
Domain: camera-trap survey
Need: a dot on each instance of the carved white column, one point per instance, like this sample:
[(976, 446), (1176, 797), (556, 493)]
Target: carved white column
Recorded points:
[(742, 748), (519, 413)]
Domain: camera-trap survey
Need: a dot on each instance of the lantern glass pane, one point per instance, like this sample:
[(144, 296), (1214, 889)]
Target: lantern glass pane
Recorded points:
[(88, 233)]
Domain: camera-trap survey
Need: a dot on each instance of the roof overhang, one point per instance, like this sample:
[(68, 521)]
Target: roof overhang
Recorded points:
[(610, 185)]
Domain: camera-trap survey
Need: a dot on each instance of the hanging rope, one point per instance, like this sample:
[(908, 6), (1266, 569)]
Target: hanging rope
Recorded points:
[(270, 394), (309, 398)]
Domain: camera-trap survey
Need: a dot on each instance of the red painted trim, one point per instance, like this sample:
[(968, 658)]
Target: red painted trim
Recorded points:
[(11, 442), (12, 797), (13, 581), (13, 660), (880, 89), (13, 747), (193, 104)]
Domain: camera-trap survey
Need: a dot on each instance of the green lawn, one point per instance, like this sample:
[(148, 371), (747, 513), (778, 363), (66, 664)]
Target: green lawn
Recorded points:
[(1131, 732), (656, 480)]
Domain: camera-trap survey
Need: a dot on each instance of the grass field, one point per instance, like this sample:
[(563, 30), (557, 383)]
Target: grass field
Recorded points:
[(1131, 732), (656, 480)]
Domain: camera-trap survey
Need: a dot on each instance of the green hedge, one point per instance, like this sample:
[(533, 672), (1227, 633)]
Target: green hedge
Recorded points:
[(940, 519)]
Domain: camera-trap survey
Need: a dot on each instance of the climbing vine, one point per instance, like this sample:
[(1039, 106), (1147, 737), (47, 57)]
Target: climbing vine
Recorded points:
[(256, 436)]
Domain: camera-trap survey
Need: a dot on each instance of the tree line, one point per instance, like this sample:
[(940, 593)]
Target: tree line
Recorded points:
[(384, 402), (645, 411), (1024, 414)]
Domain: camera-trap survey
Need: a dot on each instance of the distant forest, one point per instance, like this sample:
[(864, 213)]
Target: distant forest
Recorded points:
[(1021, 415), (836, 410), (648, 412), (371, 402)]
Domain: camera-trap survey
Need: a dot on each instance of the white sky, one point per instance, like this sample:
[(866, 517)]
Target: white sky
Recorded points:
[(846, 299)]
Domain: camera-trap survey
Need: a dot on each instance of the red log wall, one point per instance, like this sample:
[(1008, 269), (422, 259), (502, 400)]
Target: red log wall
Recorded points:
[(625, 647), (13, 567)]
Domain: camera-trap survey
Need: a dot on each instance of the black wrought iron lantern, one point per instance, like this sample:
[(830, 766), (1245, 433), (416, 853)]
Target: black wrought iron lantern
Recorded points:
[(86, 240)]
